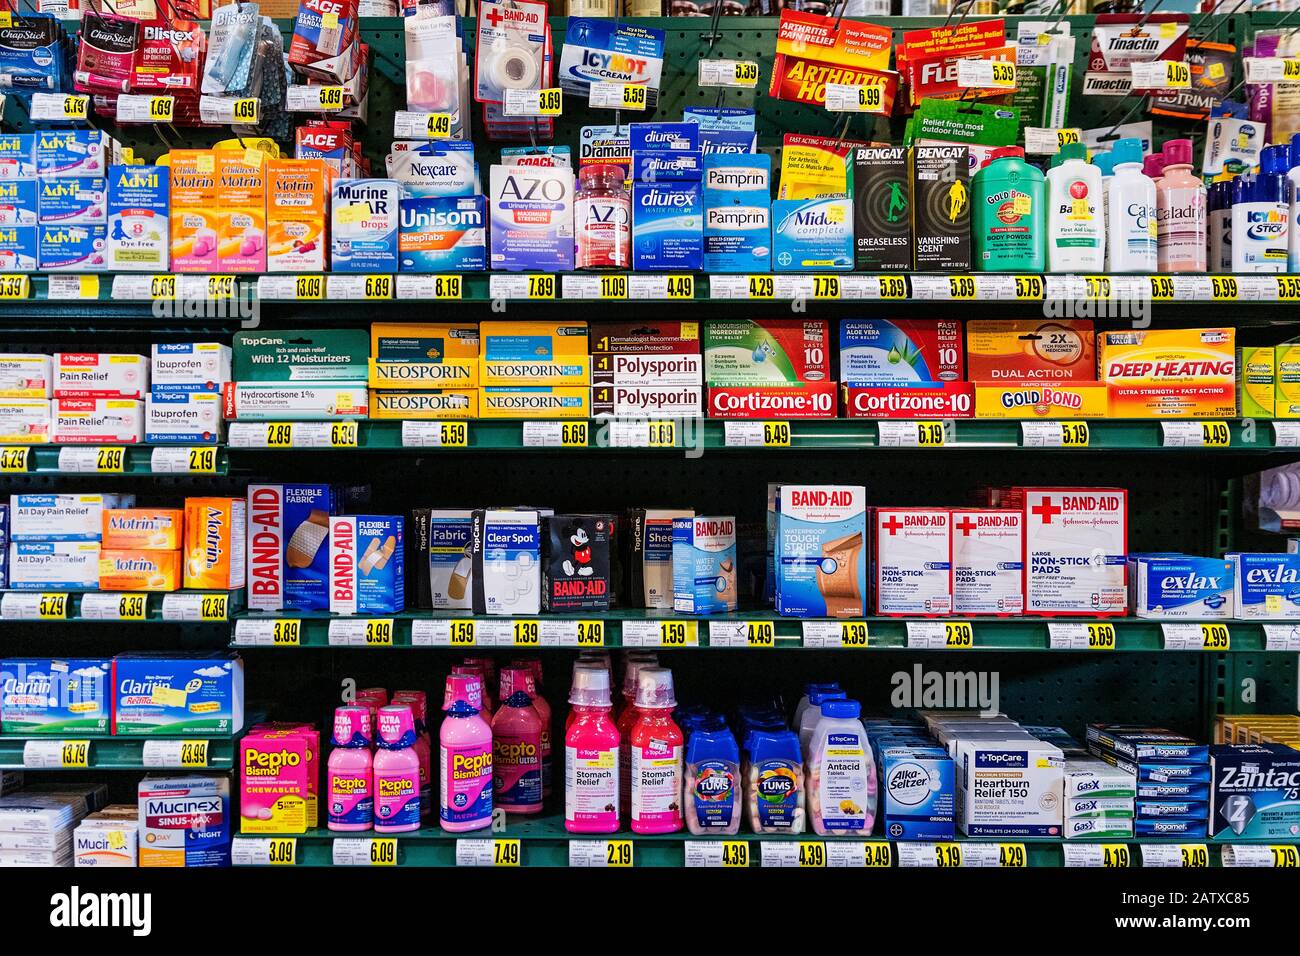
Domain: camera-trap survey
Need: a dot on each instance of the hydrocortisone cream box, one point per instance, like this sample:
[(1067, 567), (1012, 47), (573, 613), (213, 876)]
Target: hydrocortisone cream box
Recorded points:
[(183, 417), (1256, 792), (1169, 373), (366, 555), (765, 351), (1076, 543), (443, 234), (431, 355), (364, 220), (650, 555), (167, 694), (531, 209), (912, 558), (916, 352), (42, 695), (96, 421), (534, 353), (77, 200), (821, 551), (214, 547), (1266, 586), (667, 226), (704, 564), (451, 569), (46, 517), (24, 375), (54, 565), (184, 821), (139, 230), (264, 402), (506, 553), (288, 546), (100, 375), (188, 367), (1009, 788), (812, 235), (301, 355), (988, 570), (1168, 587)]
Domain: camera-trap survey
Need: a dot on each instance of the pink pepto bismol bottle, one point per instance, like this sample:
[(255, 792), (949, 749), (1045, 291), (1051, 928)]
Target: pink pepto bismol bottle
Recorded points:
[(351, 772), (590, 754), (419, 703), (543, 711), (656, 755), (397, 772), (464, 758), (517, 746)]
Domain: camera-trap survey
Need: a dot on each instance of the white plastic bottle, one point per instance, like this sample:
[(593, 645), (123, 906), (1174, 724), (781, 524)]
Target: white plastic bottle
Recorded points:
[(1131, 216), (1261, 215), (1102, 160), (1076, 237), (812, 715), (841, 775)]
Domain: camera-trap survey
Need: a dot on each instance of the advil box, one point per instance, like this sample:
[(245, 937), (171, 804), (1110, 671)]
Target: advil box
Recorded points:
[(1169, 373), (1076, 545)]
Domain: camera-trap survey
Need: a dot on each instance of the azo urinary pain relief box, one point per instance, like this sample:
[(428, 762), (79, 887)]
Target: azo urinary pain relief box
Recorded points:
[(531, 211), (364, 225), (164, 694), (821, 550), (184, 821), (51, 696), (1168, 587), (988, 570), (704, 564), (1266, 586), (912, 561), (366, 555), (288, 547), (1076, 542)]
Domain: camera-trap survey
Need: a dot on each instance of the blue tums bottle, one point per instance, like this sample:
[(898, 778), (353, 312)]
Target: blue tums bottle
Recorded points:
[(712, 779)]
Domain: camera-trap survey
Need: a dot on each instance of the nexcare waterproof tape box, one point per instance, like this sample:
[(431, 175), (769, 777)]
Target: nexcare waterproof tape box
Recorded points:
[(364, 225), (1256, 791), (1076, 542), (288, 546), (184, 821), (1009, 788), (912, 558), (42, 695), (1266, 586), (918, 352), (366, 555), (177, 694), (1168, 587), (704, 564), (506, 551), (820, 551), (812, 234), (918, 791), (988, 568)]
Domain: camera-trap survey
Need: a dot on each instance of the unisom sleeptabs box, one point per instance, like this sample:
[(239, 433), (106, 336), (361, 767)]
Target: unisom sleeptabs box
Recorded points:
[(1009, 788), (74, 200), (450, 567), (1076, 542), (912, 558), (46, 517), (1266, 586), (704, 564), (446, 234), (54, 565), (506, 552), (184, 821), (177, 694), (667, 226), (1177, 586), (988, 569), (63, 248), (366, 555), (812, 234), (821, 550), (364, 225), (18, 202), (139, 228), (189, 367), (531, 209), (1256, 792), (288, 546), (42, 695), (918, 792), (182, 417), (70, 152)]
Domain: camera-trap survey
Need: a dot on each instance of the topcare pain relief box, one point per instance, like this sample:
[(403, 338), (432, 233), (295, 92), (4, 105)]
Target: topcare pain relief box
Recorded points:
[(988, 567), (100, 375), (821, 550), (167, 694), (1076, 546), (366, 556), (42, 695), (288, 546), (912, 561), (1169, 373)]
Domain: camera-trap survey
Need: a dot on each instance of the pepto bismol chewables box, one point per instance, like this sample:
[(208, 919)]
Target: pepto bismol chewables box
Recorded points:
[(1076, 543), (912, 561), (988, 568), (821, 550)]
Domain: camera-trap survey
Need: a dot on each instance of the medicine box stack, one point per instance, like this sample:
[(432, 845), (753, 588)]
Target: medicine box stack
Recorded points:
[(18, 231), (98, 398), (1266, 586), (36, 828), (56, 188), (279, 778), (1253, 791), (904, 368), (26, 384), (912, 561), (52, 696), (915, 779), (54, 540), (141, 549), (578, 555), (1173, 776), (184, 404), (534, 370), (1099, 800), (643, 370), (768, 368), (1173, 586), (667, 198), (425, 371), (299, 375)]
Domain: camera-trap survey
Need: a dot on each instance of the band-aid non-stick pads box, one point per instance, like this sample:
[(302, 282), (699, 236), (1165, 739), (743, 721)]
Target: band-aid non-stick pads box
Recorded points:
[(366, 563), (166, 693), (704, 564), (912, 561), (988, 569), (1076, 542), (42, 695), (288, 546), (821, 551)]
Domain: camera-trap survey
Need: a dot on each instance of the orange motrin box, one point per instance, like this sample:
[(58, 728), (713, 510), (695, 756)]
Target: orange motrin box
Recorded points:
[(1169, 373), (134, 569), (214, 543), (241, 210), (297, 192), (193, 210), (143, 529)]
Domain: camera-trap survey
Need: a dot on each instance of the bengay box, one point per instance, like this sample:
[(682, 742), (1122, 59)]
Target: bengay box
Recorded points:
[(704, 564), (366, 564), (364, 225), (988, 569), (1266, 586), (1076, 542), (939, 179), (882, 226), (168, 694), (650, 555), (184, 821), (288, 552), (912, 561), (42, 695), (737, 212), (139, 199), (1168, 587), (1255, 791), (820, 551)]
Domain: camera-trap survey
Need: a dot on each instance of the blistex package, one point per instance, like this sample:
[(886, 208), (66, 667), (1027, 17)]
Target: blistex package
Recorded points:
[(577, 562), (42, 695), (1168, 587), (165, 694), (505, 548), (366, 564), (446, 234), (911, 352), (820, 550), (882, 225), (812, 235), (1255, 792), (288, 546), (138, 228), (1266, 586), (704, 564), (531, 211)]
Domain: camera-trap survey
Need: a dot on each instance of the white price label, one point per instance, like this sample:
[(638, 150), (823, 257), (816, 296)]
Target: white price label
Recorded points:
[(136, 108), (188, 754), (1281, 855), (114, 606), (717, 854), (909, 434), (1272, 69), (56, 754), (756, 434), (1097, 855), (601, 853), (184, 459), (1196, 637), (66, 287), (1193, 855), (558, 434), (662, 286), (263, 851), (1282, 637), (1206, 434), (373, 851), (457, 632), (859, 286), (1161, 75), (314, 99), (640, 434), (473, 852), (361, 632), (961, 855), (533, 285), (200, 607), (370, 287), (34, 606), (1054, 434), (855, 98), (409, 124), (1042, 141), (1286, 434), (933, 635), (547, 102), (805, 853), (857, 854), (59, 107), (986, 75), (230, 111), (425, 287), (846, 634), (291, 287), (618, 96), (268, 632), (103, 459), (1090, 636), (754, 634), (742, 74), (448, 434)]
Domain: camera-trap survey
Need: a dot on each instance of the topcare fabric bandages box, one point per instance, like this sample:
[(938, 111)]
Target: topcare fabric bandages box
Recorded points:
[(1169, 373), (820, 551), (912, 561), (1076, 545)]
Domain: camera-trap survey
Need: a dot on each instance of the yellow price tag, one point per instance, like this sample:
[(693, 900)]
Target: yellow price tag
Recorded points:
[(15, 287), (437, 125), (309, 287), (527, 634), (735, 854), (1022, 206), (680, 286), (453, 434), (286, 632), (447, 287), (958, 635), (1012, 855), (279, 434), (379, 287), (677, 633), (461, 633), (1288, 288), (634, 96), (776, 434), (550, 102), (854, 634), (1075, 434), (14, 459), (161, 108), (214, 607), (131, 607), (110, 459), (613, 287), (1066, 137), (871, 99), (1216, 637), (52, 607), (746, 73), (245, 110), (761, 287), (76, 107), (379, 632), (505, 853), (947, 855), (893, 287), (1285, 856), (1162, 288), (162, 287), (1099, 287), (330, 97), (878, 855), (591, 633), (541, 286), (826, 287), (194, 753), (812, 854), (201, 459), (383, 851), (221, 287), (343, 435), (74, 754), (283, 851), (1115, 855), (1216, 434), (1195, 855), (1223, 288), (929, 434), (1004, 75), (618, 853), (760, 633), (1178, 75), (329, 20), (1290, 69), (573, 435), (661, 434), (1029, 287), (961, 288), (1101, 637), (6, 20)]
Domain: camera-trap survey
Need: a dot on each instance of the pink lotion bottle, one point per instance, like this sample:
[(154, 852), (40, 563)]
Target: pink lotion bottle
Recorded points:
[(1180, 205), (397, 772), (591, 750), (464, 758), (544, 711), (656, 755), (351, 772)]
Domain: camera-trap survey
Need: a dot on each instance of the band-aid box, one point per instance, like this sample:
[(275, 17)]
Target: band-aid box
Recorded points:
[(288, 546), (821, 551), (366, 564), (704, 564)]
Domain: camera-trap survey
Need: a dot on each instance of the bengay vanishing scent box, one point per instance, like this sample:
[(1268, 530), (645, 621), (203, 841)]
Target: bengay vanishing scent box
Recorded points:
[(940, 197), (704, 564), (164, 694), (366, 564), (288, 546), (577, 562), (821, 550), (650, 556), (882, 224), (42, 695)]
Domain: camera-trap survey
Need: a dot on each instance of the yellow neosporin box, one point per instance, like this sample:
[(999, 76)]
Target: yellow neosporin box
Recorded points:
[(439, 355), (1031, 400), (533, 403), (533, 353), (1169, 373), (1286, 382), (134, 569), (435, 404)]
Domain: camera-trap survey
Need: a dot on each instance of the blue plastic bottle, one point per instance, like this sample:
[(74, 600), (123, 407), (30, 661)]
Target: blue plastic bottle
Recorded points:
[(1260, 214), (774, 784), (712, 779), (1218, 226)]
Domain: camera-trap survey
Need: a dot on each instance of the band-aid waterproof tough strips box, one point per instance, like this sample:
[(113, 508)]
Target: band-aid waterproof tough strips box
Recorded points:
[(821, 551)]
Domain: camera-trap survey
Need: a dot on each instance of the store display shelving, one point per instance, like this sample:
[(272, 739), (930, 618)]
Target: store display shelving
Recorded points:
[(90, 752), (130, 461), (77, 608)]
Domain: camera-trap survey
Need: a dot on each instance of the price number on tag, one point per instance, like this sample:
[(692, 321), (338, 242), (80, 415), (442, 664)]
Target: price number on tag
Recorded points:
[(675, 633), (14, 459), (527, 634), (453, 434), (958, 635), (760, 634)]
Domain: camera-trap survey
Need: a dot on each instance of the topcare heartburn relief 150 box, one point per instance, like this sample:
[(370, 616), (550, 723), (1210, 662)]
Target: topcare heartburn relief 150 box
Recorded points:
[(1076, 543)]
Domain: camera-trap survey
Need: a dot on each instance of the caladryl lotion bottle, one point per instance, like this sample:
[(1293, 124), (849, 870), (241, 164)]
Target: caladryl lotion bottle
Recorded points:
[(1260, 211), (1180, 205), (1076, 236), (1131, 216)]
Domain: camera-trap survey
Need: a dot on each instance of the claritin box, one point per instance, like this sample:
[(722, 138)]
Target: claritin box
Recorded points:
[(177, 694), (42, 695)]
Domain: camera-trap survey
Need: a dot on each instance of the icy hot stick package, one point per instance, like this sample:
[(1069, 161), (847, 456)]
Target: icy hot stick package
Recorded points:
[(107, 53)]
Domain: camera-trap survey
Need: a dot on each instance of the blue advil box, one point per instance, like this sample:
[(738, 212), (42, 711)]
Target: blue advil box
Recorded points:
[(18, 202), (71, 248)]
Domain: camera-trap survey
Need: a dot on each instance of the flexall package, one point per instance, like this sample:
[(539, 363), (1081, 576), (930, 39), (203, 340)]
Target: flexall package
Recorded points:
[(1076, 542), (297, 196), (366, 556), (577, 562), (820, 550), (288, 552), (1169, 373)]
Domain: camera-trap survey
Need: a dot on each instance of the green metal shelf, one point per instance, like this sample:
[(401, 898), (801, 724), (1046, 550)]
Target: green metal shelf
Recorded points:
[(184, 607), (120, 753), (136, 460)]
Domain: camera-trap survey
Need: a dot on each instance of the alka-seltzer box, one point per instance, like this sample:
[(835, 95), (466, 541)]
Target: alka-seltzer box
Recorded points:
[(1266, 586), (426, 356), (139, 203), (1169, 373), (288, 550), (1255, 792), (650, 555), (167, 694), (100, 375), (912, 557), (919, 792), (882, 226), (911, 352), (184, 821), (97, 421), (1009, 788), (366, 564), (1168, 587), (52, 696), (940, 208), (988, 566), (24, 375), (188, 367), (364, 224), (183, 418), (704, 564), (531, 211), (766, 351), (821, 551), (1076, 542), (506, 553)]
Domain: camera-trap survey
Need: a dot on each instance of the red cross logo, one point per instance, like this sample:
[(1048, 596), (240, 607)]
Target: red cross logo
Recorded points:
[(494, 17), (1046, 510), (966, 526), (892, 525)]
